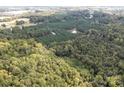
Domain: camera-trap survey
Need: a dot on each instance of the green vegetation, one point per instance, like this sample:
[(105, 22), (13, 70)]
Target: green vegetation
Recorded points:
[(28, 63), (48, 54), (101, 56)]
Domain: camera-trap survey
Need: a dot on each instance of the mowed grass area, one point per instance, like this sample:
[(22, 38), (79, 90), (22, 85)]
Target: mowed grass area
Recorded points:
[(12, 23), (10, 20)]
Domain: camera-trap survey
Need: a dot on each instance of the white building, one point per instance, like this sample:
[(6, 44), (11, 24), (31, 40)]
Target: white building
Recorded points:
[(53, 33), (73, 31)]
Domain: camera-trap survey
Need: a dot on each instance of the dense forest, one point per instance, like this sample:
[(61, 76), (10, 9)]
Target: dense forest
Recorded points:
[(50, 54)]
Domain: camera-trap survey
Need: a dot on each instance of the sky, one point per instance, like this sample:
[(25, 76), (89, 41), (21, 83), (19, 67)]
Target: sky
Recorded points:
[(61, 2)]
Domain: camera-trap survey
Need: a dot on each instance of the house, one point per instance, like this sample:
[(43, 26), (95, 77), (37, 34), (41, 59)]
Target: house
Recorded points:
[(73, 31), (53, 33)]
